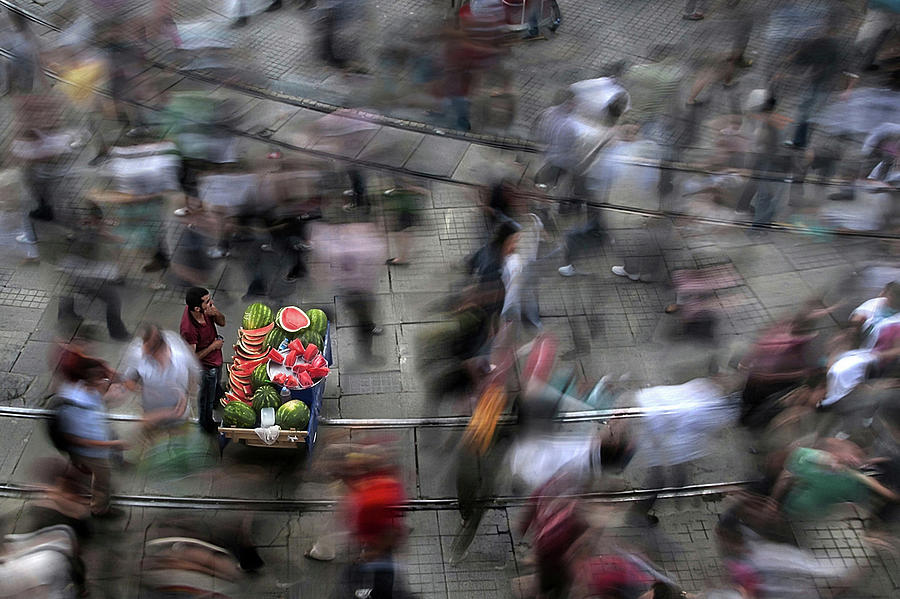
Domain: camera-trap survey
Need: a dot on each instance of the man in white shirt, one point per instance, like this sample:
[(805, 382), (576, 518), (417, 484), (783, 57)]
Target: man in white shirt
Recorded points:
[(166, 371)]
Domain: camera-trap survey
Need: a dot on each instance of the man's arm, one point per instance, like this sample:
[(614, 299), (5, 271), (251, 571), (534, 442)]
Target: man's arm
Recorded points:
[(216, 316)]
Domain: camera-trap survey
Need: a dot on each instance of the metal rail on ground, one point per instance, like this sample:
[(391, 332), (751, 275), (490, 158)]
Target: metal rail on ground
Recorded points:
[(18, 491)]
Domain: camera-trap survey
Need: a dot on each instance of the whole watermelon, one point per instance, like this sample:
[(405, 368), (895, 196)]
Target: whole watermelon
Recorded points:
[(292, 414), (260, 377), (256, 316), (318, 322), (274, 338), (310, 336), (239, 415), (266, 397)]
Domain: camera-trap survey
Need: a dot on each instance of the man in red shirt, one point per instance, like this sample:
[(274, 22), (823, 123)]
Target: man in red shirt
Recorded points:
[(198, 329)]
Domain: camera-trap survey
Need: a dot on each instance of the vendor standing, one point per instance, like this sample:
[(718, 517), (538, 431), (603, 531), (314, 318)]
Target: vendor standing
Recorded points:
[(198, 329)]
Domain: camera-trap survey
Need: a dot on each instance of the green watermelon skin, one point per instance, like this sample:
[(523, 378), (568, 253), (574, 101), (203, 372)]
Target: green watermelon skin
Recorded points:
[(310, 336), (256, 316), (318, 322), (266, 397), (275, 337), (260, 376), (292, 414), (239, 415)]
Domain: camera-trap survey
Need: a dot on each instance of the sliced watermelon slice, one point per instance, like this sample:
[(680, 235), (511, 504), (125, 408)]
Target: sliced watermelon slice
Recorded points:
[(275, 356), (304, 379), (260, 332), (292, 319)]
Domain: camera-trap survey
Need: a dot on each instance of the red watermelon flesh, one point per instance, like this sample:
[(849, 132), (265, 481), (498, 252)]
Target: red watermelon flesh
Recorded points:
[(304, 379), (291, 381), (260, 332), (296, 345), (292, 319), (275, 356), (318, 373), (233, 397)]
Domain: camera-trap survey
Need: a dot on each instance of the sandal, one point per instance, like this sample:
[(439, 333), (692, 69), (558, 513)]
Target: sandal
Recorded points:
[(671, 308)]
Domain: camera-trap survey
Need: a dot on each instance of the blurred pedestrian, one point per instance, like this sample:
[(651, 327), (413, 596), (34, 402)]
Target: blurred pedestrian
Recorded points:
[(356, 254), (402, 204), (92, 270), (882, 18), (23, 72), (816, 479), (198, 329), (554, 517), (679, 421), (165, 369), (83, 423)]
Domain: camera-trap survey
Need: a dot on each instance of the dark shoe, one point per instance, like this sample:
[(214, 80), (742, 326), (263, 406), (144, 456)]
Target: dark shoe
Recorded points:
[(155, 265), (97, 160), (274, 6), (642, 520), (42, 213), (120, 334), (240, 22), (249, 559), (697, 16)]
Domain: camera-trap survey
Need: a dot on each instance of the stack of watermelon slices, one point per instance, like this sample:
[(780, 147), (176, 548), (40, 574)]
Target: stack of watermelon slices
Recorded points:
[(299, 367), (250, 352)]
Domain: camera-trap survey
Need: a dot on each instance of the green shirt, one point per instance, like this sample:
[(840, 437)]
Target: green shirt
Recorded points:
[(818, 485)]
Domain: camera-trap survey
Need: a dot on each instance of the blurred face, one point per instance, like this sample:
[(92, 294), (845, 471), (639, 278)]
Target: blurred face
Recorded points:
[(153, 342)]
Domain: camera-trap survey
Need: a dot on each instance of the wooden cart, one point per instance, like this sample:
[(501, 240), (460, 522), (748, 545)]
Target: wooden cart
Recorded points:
[(288, 439)]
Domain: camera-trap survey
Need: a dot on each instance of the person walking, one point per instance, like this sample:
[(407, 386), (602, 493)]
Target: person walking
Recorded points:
[(83, 423), (164, 368), (198, 329)]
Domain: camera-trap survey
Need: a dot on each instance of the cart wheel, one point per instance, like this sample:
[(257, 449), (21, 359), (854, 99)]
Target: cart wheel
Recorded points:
[(555, 16)]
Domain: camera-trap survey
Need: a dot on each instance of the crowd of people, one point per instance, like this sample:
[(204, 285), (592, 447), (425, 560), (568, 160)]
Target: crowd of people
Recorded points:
[(820, 402)]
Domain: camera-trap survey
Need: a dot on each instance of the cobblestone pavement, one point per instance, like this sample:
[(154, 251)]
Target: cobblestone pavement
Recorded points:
[(618, 327), (281, 53)]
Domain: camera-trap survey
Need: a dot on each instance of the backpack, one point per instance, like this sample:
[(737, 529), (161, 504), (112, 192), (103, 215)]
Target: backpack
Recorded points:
[(54, 425)]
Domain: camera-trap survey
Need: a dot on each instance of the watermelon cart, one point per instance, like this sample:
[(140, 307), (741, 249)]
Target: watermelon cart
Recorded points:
[(286, 350)]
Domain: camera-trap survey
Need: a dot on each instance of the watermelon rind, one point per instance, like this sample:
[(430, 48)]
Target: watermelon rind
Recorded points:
[(292, 414), (274, 338), (266, 397), (259, 377), (310, 336), (239, 415), (318, 321), (256, 316), (288, 311)]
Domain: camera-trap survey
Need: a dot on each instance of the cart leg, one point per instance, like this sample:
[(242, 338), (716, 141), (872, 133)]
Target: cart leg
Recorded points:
[(555, 16)]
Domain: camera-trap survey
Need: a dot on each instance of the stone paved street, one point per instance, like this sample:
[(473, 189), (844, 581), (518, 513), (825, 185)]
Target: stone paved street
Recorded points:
[(606, 325)]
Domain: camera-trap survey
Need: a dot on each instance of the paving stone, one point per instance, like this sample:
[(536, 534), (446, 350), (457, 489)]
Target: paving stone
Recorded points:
[(779, 290), (437, 156), (391, 147), (373, 383)]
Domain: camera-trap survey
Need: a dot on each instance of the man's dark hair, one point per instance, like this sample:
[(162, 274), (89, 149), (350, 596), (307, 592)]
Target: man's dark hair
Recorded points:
[(146, 333), (194, 297)]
